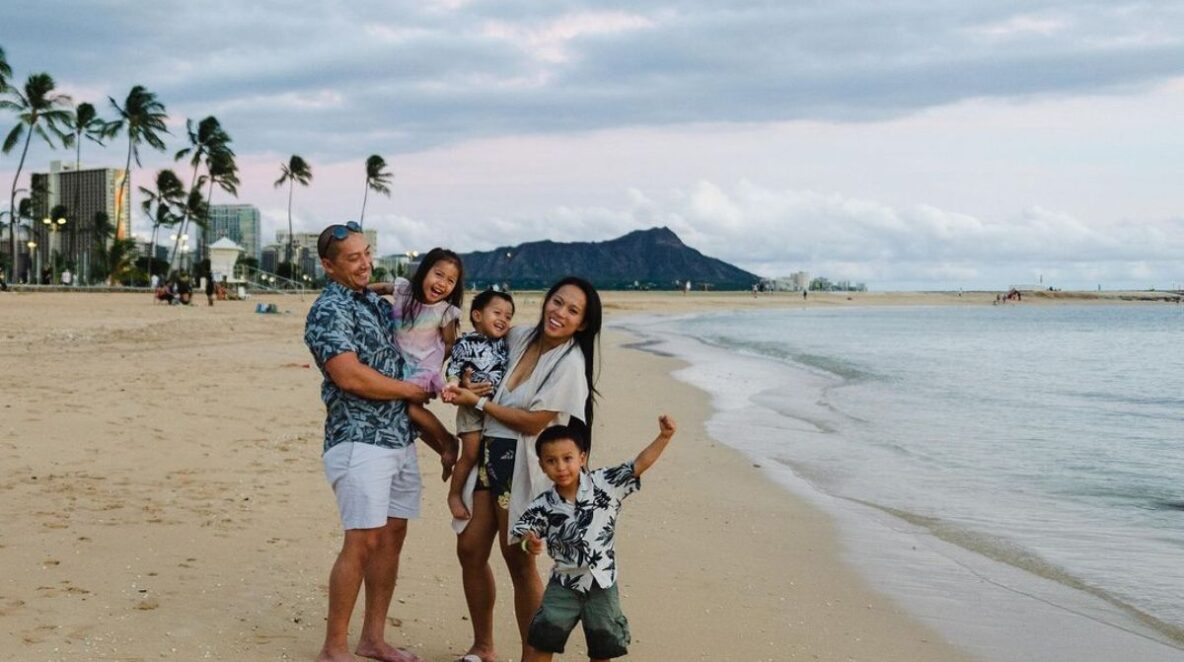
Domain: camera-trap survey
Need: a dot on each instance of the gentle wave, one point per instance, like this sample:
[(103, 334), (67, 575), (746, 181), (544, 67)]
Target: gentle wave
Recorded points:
[(847, 370)]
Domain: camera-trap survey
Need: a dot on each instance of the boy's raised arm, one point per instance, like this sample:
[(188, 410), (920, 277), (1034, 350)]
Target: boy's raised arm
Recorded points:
[(651, 453)]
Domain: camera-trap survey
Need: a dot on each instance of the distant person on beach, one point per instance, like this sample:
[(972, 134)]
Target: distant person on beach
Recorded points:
[(577, 518), (3, 282), (369, 451), (480, 358), (184, 289), (210, 288), (548, 381), (164, 293), (426, 315)]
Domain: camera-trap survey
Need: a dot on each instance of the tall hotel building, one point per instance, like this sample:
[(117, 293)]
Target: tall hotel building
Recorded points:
[(240, 224), (84, 193), (93, 190)]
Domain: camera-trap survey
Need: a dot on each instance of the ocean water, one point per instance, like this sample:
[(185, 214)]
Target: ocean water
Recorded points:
[(1013, 474)]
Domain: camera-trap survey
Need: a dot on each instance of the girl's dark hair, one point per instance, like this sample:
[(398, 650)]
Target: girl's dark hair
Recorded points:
[(412, 306), (559, 433), (586, 338), (484, 299)]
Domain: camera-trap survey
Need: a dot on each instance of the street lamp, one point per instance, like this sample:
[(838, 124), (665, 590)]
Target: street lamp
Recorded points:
[(37, 263), (54, 225)]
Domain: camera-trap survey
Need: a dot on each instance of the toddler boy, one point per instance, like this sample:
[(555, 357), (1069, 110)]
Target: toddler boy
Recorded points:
[(482, 354)]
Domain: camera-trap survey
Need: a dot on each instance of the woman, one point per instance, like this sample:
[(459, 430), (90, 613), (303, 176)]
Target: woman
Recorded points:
[(548, 381)]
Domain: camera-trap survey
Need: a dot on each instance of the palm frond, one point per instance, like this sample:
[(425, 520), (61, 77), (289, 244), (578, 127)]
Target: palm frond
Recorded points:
[(5, 70), (378, 178), (13, 137)]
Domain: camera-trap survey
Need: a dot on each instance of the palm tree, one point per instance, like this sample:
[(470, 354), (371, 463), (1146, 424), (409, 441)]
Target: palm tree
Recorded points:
[(5, 74), (39, 109), (195, 207), (84, 123), (295, 171), (121, 260), (163, 207), (103, 231), (378, 179), (223, 172), (5, 70), (23, 216), (208, 139), (143, 115)]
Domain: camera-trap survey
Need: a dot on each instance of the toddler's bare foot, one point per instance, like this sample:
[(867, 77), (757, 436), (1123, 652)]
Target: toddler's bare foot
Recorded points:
[(457, 506)]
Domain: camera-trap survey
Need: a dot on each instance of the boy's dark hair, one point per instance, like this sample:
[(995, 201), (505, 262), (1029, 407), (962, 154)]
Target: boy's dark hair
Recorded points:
[(560, 433), (483, 299)]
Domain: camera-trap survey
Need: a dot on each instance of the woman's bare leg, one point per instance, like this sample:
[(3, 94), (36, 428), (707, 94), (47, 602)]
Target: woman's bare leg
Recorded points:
[(528, 588), (473, 547)]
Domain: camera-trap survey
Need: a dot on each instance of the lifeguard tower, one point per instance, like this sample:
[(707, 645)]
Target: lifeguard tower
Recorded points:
[(223, 255)]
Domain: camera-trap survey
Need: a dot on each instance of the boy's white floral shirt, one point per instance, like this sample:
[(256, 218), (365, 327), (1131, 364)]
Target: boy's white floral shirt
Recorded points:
[(580, 535)]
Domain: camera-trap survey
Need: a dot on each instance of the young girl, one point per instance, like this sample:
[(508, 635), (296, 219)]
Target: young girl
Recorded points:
[(426, 315)]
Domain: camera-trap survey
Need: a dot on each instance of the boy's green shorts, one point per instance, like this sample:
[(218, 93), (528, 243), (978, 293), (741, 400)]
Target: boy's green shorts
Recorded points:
[(605, 628)]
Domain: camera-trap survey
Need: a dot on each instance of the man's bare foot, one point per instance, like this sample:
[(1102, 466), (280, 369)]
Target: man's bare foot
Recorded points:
[(478, 655), (457, 506), (385, 652), (327, 655)]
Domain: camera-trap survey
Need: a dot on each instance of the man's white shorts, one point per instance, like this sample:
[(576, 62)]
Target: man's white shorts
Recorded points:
[(373, 483)]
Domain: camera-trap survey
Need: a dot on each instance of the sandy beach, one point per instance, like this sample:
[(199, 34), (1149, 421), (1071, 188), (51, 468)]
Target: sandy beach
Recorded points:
[(163, 499)]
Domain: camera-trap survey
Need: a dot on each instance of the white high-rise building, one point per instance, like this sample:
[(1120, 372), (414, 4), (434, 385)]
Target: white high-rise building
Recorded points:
[(240, 224)]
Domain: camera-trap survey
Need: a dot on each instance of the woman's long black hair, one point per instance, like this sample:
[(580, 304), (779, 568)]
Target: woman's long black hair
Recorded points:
[(586, 338), (412, 306)]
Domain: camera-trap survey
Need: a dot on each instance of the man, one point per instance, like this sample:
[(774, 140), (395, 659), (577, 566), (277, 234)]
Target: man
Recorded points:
[(369, 451)]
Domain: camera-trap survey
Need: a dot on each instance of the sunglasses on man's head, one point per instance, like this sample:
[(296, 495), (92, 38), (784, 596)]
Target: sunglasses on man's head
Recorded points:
[(342, 231), (335, 232)]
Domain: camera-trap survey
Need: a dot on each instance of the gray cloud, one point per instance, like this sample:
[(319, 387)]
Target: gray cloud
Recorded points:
[(332, 79)]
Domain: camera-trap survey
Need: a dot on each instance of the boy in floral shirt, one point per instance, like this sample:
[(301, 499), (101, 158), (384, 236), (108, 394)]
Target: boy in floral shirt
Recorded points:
[(578, 517)]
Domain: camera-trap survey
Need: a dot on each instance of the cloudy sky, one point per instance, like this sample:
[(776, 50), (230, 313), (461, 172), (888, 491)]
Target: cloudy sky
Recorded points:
[(903, 143)]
